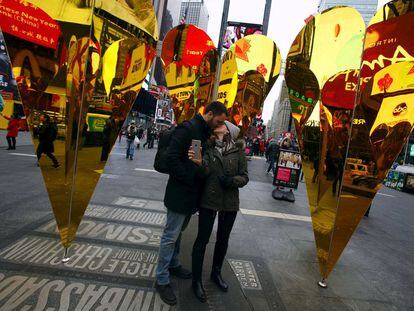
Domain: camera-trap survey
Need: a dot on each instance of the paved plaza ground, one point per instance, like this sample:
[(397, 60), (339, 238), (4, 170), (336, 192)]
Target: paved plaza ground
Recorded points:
[(271, 262)]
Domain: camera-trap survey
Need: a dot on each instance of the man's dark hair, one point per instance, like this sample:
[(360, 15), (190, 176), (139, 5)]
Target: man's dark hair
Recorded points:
[(217, 109)]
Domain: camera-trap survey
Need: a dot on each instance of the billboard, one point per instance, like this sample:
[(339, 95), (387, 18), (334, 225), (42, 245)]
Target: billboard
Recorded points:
[(288, 168)]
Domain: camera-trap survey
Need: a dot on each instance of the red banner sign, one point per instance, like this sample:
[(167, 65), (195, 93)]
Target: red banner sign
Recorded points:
[(340, 90), (28, 22)]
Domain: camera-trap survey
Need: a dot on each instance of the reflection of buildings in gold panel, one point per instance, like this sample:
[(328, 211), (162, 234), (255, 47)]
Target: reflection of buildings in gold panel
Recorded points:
[(60, 83), (387, 128), (124, 66), (330, 43), (41, 74)]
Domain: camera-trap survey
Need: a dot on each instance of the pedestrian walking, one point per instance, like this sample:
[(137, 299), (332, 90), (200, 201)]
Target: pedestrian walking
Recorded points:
[(225, 171), (183, 193), (47, 136), (262, 147), (273, 155), (12, 130), (131, 133)]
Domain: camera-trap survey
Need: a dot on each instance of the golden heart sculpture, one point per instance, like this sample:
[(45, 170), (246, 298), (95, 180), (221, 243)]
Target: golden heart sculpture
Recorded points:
[(78, 75), (352, 132)]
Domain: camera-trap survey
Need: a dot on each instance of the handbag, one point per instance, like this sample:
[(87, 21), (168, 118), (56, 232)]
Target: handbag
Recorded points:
[(136, 140)]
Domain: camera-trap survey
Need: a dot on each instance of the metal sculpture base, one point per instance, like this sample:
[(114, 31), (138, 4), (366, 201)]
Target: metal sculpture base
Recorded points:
[(65, 258), (278, 194), (322, 284)]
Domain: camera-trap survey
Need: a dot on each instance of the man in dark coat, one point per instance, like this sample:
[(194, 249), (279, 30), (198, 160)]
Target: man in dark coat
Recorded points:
[(273, 154), (47, 135), (183, 193)]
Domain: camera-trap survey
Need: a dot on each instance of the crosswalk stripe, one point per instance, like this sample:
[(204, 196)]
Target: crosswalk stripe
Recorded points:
[(275, 215), (145, 170), (23, 154)]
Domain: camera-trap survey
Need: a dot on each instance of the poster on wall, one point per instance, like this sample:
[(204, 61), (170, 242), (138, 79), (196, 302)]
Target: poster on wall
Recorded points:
[(288, 167), (8, 86)]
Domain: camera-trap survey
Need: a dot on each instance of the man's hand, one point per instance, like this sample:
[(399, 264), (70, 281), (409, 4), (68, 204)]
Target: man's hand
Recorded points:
[(192, 156)]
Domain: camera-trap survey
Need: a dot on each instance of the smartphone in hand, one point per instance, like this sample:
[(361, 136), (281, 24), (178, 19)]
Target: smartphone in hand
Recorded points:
[(196, 145)]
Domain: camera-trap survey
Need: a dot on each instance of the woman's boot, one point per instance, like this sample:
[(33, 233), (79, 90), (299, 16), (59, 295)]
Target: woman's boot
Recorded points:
[(218, 279)]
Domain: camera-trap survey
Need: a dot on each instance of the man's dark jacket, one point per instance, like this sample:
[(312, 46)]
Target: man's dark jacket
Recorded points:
[(273, 150), (184, 186)]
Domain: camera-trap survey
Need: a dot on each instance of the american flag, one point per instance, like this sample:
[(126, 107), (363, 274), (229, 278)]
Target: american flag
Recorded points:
[(184, 17)]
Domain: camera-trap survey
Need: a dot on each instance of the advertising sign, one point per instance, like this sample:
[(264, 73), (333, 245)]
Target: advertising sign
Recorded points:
[(8, 86), (288, 168), (96, 122), (164, 112), (26, 21)]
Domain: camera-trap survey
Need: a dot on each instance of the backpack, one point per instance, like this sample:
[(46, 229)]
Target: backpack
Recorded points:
[(131, 132), (161, 162)]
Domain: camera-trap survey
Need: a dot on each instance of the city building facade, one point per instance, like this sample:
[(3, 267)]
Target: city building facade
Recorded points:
[(367, 8), (197, 13), (281, 114)]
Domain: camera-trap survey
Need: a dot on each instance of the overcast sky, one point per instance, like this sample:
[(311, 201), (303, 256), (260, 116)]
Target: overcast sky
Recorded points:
[(286, 20)]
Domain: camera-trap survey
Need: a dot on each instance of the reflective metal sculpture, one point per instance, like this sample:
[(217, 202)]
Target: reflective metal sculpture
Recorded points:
[(78, 74), (383, 116), (381, 92), (329, 44), (189, 59), (256, 62)]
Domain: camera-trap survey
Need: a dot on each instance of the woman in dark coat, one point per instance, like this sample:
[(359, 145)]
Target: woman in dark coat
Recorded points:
[(47, 135), (225, 171)]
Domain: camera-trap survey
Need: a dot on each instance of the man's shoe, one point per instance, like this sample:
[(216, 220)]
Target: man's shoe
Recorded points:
[(199, 291), (218, 280), (166, 293), (181, 273)]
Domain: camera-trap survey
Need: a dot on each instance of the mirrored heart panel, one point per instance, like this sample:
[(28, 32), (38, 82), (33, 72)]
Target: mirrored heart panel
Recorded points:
[(228, 83), (40, 67), (382, 117), (258, 63), (190, 63), (205, 81), (62, 65), (329, 44)]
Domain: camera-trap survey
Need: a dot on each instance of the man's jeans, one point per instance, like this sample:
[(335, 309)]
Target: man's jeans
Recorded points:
[(272, 165), (130, 148), (170, 245)]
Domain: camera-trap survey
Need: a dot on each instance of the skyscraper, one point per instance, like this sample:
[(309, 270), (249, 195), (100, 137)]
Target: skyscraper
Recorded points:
[(281, 114), (197, 13), (367, 8)]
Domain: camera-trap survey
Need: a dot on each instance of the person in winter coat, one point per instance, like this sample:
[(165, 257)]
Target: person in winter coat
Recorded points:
[(225, 171), (183, 192), (12, 130), (131, 133), (273, 154), (47, 135)]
